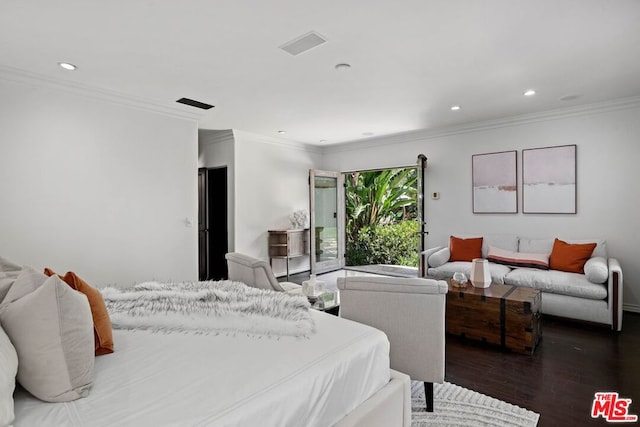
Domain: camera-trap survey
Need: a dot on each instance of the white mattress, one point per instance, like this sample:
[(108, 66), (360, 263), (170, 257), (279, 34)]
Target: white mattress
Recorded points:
[(156, 379)]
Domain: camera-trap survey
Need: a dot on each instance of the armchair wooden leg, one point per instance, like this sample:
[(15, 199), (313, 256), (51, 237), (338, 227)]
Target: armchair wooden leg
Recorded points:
[(428, 396)]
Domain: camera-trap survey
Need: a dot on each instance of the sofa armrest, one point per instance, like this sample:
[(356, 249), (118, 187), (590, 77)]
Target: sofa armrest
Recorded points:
[(427, 253), (615, 285)]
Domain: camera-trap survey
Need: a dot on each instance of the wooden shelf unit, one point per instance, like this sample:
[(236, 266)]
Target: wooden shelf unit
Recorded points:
[(287, 244)]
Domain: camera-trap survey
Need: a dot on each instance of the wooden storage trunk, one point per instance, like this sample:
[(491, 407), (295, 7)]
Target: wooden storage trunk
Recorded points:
[(504, 315)]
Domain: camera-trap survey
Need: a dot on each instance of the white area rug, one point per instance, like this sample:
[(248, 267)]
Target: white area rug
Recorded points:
[(458, 406)]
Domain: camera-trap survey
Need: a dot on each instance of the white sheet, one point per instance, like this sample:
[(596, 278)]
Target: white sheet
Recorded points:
[(206, 380)]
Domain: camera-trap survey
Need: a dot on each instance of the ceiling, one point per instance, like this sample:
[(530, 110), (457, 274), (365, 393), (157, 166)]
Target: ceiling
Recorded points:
[(411, 60)]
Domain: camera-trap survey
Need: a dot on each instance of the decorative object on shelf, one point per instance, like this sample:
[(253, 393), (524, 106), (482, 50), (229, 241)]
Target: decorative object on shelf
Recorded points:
[(299, 219), (495, 188), (549, 180), (459, 280), (480, 274)]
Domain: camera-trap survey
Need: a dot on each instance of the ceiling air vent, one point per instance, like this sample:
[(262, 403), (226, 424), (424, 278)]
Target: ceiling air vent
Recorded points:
[(303, 43), (197, 104)]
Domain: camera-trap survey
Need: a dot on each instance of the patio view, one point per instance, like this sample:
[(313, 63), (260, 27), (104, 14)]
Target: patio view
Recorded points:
[(382, 221)]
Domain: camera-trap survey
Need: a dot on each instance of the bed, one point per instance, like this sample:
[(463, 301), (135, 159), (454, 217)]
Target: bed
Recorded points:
[(339, 375)]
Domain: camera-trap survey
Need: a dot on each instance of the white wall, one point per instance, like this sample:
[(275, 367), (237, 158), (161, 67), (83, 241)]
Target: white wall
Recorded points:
[(271, 181), (216, 149), (95, 187), (608, 175)]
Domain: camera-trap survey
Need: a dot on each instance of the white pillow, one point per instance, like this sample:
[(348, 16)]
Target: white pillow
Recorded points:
[(27, 281), (8, 370), (8, 273), (596, 270), (439, 258), (52, 331)]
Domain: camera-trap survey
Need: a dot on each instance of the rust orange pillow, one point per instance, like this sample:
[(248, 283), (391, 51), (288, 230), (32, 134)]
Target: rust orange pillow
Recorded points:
[(570, 256), (102, 332), (465, 249)]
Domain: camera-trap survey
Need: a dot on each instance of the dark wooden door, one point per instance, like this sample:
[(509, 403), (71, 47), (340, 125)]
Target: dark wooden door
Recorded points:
[(212, 223)]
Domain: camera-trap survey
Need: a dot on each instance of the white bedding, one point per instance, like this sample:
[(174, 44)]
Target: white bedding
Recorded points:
[(157, 379)]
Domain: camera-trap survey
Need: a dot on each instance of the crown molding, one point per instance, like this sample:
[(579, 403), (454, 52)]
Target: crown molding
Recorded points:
[(281, 142), (215, 136), (425, 134), (16, 75)]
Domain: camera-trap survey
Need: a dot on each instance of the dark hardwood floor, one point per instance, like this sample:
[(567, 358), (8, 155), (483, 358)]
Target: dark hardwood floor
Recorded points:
[(572, 362)]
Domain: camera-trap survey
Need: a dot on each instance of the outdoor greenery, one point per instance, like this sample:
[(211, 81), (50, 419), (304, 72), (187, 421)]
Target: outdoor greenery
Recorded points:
[(381, 214), (385, 244)]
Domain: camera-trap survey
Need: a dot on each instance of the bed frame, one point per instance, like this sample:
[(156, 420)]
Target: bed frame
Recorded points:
[(389, 407)]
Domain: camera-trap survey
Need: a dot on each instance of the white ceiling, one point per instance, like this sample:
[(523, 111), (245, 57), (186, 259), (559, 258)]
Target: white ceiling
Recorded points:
[(410, 59)]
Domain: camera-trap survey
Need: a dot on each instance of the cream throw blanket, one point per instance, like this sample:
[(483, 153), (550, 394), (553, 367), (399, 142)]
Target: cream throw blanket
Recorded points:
[(209, 307)]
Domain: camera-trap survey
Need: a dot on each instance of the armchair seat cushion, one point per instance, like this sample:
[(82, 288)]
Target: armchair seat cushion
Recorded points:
[(557, 282)]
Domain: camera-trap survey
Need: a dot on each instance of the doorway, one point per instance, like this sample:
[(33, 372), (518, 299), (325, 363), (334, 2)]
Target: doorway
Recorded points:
[(326, 208), (212, 223), (382, 227), (371, 219)]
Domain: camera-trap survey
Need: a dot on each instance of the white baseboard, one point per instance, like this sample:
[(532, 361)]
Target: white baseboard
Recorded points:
[(631, 307)]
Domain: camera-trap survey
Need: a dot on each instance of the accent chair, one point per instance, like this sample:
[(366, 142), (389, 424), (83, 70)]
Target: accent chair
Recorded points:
[(411, 311), (256, 273)]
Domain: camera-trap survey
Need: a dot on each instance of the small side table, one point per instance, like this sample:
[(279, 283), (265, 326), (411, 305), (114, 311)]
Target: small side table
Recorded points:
[(287, 244), (331, 307)]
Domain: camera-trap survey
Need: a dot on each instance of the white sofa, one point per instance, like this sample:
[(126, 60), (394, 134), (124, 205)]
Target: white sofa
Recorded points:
[(595, 296)]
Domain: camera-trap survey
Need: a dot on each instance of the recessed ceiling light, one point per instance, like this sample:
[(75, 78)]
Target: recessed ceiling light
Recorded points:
[(455, 107), (323, 140), (367, 133), (529, 92), (342, 67), (282, 132), (67, 66)]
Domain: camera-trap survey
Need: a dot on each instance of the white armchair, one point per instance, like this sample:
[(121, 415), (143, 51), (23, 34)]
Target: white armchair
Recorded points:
[(257, 273), (411, 312)]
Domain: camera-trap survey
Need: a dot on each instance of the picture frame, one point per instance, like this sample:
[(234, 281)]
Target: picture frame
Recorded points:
[(549, 180), (494, 183)]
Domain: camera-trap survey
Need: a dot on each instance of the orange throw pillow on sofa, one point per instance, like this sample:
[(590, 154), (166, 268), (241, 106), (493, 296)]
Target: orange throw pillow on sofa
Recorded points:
[(101, 323), (465, 249), (570, 257)]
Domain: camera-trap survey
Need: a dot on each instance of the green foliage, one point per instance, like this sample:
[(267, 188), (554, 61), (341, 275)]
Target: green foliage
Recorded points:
[(381, 209), (379, 197), (395, 244)]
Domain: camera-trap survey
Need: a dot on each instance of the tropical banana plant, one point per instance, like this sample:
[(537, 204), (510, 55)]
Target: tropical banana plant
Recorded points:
[(379, 198)]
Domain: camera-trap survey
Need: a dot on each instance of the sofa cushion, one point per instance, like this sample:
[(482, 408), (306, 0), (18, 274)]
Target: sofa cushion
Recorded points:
[(518, 259), (596, 269), (537, 246), (465, 249), (502, 241), (498, 272), (508, 242), (558, 282), (439, 257), (545, 246), (570, 257)]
